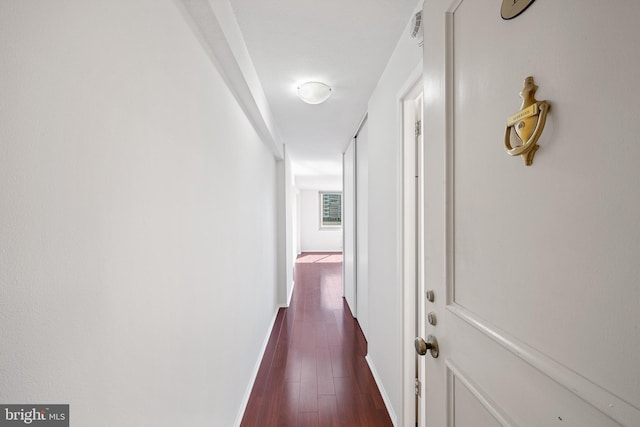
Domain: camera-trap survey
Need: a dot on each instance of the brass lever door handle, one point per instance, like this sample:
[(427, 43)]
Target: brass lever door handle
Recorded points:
[(430, 345)]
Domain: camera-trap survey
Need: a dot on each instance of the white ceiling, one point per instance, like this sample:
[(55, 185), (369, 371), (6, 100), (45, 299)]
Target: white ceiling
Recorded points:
[(344, 43)]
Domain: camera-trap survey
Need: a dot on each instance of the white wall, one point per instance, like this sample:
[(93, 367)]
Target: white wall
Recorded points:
[(362, 227), (384, 331), (134, 193), (312, 237)]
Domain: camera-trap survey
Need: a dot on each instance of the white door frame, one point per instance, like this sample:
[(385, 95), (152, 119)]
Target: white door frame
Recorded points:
[(412, 240)]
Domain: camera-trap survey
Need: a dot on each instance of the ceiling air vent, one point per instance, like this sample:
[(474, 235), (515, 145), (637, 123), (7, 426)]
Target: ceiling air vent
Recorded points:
[(417, 31)]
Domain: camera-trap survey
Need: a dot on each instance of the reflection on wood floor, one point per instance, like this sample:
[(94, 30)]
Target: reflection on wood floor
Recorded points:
[(313, 372)]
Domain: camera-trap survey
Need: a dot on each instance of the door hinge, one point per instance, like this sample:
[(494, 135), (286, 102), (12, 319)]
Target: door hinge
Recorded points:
[(418, 388), (418, 127)]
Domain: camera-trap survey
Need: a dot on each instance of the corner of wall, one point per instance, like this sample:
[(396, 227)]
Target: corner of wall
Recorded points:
[(254, 373)]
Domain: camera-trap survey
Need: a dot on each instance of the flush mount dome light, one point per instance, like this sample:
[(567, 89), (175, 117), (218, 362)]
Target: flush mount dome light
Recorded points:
[(314, 92)]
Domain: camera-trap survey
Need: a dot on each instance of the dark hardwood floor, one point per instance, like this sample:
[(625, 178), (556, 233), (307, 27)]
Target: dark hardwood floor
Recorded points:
[(313, 372)]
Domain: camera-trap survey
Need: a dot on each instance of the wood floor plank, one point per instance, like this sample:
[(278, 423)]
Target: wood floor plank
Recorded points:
[(307, 419), (252, 412), (314, 371), (308, 396), (293, 369), (328, 412), (326, 387), (289, 404), (323, 363)]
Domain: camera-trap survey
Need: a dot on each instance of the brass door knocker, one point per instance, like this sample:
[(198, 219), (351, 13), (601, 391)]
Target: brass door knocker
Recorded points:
[(528, 123)]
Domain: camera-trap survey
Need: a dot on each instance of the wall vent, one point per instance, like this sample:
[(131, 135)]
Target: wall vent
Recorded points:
[(417, 31)]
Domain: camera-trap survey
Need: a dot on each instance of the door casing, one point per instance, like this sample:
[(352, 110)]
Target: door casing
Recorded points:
[(411, 102)]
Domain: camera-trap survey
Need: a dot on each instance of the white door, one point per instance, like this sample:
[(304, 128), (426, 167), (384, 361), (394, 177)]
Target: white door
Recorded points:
[(535, 269), (349, 226)]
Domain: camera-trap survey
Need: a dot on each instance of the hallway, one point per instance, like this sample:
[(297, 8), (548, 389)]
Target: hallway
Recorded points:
[(314, 372)]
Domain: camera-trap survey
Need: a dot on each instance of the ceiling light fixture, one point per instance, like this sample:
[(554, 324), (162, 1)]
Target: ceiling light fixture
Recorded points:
[(314, 92)]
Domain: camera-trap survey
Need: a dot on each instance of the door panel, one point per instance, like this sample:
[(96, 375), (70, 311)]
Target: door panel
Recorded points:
[(522, 394), (349, 225), (469, 410), (536, 268)]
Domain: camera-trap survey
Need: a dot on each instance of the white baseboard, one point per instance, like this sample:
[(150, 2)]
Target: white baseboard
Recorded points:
[(254, 374), (383, 392)]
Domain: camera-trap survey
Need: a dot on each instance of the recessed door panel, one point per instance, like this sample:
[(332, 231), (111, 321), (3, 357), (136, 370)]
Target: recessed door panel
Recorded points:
[(468, 410), (538, 263)]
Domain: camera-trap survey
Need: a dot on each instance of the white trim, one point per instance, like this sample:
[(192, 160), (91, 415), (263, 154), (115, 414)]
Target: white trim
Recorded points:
[(451, 399), (489, 404), (254, 374), (412, 81), (383, 392), (454, 6), (449, 160), (344, 237), (363, 120), (601, 399), (408, 93)]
